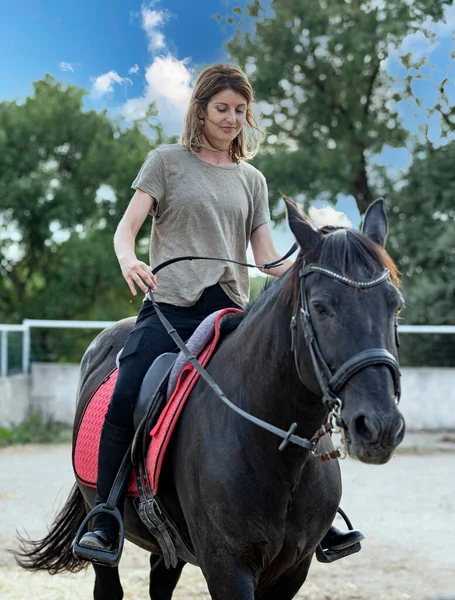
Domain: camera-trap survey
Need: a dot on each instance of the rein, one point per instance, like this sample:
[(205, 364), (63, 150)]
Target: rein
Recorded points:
[(288, 436), (275, 263), (329, 383)]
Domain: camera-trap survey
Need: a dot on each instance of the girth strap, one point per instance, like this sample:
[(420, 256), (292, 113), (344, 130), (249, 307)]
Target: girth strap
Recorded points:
[(367, 358)]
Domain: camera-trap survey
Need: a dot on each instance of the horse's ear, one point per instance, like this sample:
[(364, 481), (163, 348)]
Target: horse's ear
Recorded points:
[(304, 233), (375, 224)]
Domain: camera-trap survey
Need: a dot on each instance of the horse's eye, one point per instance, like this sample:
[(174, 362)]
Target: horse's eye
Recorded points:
[(319, 308)]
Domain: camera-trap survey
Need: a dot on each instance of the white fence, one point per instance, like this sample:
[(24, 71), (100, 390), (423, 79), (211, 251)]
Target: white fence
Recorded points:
[(28, 324), (427, 401), (50, 388)]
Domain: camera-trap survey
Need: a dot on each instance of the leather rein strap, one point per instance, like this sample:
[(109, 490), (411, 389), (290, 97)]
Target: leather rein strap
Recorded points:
[(329, 383), (287, 436), (265, 266)]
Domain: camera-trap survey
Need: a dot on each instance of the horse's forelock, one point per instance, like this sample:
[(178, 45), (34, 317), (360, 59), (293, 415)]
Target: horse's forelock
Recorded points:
[(342, 249)]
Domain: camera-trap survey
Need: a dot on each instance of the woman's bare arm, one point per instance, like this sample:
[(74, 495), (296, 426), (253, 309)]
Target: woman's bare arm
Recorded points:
[(134, 271), (264, 251)]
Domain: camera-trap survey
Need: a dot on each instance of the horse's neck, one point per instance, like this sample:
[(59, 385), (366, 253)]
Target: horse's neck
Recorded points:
[(274, 391)]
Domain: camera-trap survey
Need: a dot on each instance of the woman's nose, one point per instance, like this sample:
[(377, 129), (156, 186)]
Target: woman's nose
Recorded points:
[(232, 117)]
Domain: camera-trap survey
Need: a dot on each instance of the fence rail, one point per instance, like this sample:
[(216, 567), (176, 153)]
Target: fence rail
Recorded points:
[(26, 326), (29, 324)]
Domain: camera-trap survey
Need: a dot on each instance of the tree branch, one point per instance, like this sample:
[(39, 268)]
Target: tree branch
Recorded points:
[(372, 81)]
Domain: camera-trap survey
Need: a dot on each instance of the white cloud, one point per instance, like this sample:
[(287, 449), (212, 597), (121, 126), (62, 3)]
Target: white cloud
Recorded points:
[(105, 83), (152, 22), (168, 84), (168, 80), (66, 66)]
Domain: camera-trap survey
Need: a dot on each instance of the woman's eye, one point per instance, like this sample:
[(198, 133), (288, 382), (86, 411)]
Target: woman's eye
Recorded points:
[(223, 110)]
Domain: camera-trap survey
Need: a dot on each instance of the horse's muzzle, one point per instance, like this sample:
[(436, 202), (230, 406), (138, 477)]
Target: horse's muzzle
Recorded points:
[(373, 439)]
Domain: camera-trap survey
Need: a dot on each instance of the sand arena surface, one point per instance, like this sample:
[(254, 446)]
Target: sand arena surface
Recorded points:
[(405, 508)]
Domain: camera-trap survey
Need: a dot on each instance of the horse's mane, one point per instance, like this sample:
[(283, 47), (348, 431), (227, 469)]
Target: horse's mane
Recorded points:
[(345, 250), (342, 249)]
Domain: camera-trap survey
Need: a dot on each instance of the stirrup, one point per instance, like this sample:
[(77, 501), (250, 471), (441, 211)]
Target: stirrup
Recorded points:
[(100, 557), (329, 556)]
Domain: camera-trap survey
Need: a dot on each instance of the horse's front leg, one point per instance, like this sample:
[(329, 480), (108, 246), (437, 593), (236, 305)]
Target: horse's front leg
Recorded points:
[(228, 579), (288, 585), (107, 583), (163, 581)]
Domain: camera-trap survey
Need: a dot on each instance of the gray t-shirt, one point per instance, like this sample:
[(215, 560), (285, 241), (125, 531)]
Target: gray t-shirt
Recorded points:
[(201, 210)]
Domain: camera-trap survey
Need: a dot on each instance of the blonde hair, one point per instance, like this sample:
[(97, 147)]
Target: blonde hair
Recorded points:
[(209, 83)]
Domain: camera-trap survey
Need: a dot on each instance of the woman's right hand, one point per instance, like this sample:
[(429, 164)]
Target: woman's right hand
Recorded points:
[(137, 273)]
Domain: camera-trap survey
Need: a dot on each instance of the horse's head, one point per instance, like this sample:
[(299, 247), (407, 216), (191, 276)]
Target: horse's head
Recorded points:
[(345, 304)]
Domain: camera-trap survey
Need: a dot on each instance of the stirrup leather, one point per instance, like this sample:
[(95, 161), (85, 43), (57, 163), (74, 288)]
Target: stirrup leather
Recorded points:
[(107, 559)]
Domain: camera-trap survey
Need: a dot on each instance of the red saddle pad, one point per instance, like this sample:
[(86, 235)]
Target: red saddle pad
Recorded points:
[(85, 456)]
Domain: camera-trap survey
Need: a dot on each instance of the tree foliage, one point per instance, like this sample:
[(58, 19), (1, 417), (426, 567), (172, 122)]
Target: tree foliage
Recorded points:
[(422, 238), (317, 67), (56, 224)]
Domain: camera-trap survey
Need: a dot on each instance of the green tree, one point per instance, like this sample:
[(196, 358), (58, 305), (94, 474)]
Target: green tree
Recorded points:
[(318, 67), (65, 176), (57, 259), (422, 235), (422, 242), (257, 283)]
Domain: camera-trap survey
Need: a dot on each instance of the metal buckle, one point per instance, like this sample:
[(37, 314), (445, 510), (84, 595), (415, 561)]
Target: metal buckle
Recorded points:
[(293, 327), (335, 412)]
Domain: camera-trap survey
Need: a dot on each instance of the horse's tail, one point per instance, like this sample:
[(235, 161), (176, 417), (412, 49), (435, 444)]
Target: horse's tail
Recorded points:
[(53, 553)]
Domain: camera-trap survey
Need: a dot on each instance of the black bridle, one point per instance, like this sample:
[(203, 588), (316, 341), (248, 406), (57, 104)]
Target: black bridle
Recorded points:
[(329, 382)]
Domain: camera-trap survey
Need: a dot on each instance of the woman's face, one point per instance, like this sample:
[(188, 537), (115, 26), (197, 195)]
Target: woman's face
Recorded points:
[(224, 117)]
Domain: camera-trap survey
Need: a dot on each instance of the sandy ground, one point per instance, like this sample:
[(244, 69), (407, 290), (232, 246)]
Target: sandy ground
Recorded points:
[(405, 508)]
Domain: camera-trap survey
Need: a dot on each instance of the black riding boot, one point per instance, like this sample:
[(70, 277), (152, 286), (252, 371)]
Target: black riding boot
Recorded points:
[(114, 443), (335, 539)]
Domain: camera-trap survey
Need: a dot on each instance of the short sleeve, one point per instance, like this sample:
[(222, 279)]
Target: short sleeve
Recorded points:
[(152, 180), (261, 204)]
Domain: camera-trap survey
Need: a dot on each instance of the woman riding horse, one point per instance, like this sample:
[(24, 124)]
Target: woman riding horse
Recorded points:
[(205, 199)]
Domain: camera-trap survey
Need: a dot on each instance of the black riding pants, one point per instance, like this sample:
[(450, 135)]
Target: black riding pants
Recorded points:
[(149, 339)]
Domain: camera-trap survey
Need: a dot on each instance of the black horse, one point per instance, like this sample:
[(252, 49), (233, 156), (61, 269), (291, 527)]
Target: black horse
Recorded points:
[(322, 338)]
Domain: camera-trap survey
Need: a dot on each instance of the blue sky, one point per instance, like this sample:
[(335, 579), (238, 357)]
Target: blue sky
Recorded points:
[(127, 53)]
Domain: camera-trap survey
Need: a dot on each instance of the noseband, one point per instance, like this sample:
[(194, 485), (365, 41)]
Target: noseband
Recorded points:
[(329, 382)]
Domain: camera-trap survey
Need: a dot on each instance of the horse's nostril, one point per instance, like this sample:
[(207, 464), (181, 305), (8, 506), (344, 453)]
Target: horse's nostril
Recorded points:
[(399, 435), (364, 428)]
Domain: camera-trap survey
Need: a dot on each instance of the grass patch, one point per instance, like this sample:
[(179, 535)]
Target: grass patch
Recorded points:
[(36, 430)]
